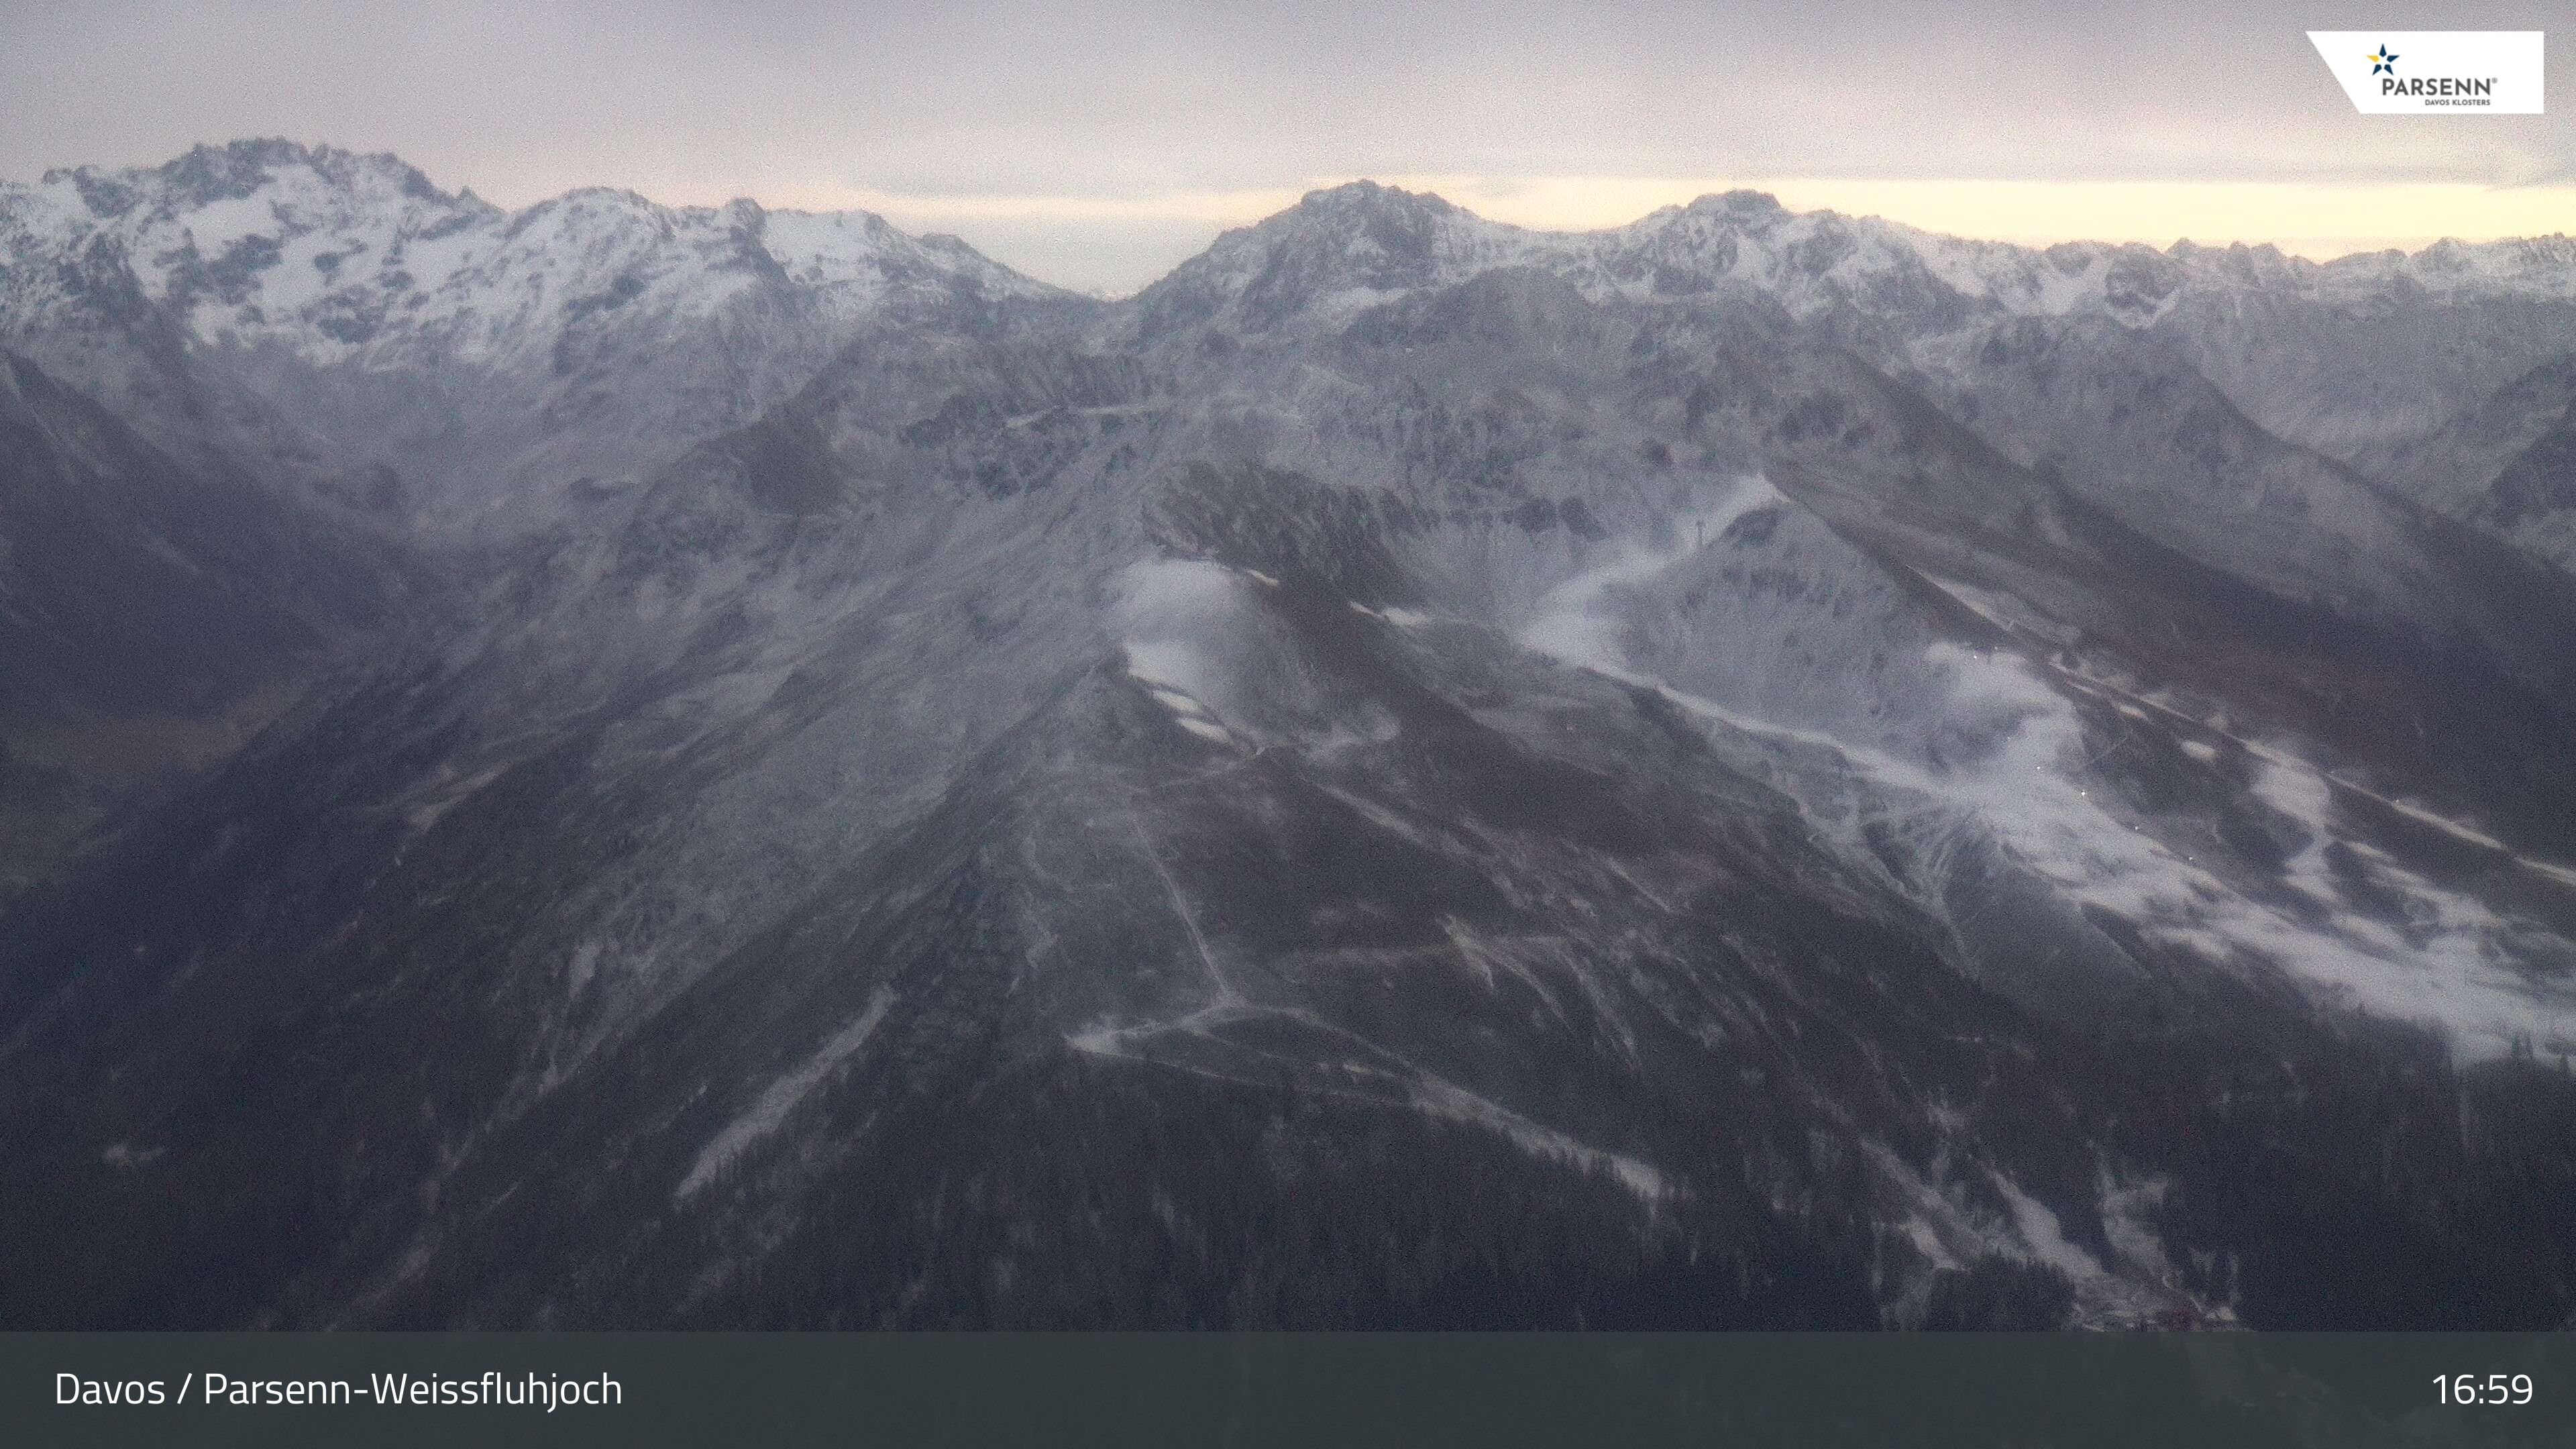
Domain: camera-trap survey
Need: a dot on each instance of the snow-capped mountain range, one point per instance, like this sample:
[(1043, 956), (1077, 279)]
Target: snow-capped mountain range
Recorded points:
[(617, 765), (359, 263), (360, 299), (341, 258)]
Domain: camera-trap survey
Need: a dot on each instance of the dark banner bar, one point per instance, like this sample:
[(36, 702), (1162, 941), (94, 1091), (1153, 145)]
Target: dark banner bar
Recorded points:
[(278, 1391)]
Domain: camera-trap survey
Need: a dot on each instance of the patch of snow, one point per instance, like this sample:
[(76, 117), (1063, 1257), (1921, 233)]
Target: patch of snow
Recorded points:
[(782, 1096), (2042, 1236), (1173, 615), (1438, 1098), (2450, 827)]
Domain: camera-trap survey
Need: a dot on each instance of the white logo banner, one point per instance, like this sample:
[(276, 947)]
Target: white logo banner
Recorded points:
[(2441, 72)]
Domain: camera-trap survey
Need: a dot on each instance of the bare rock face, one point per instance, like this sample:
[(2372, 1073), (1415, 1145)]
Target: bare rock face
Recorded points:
[(1749, 769)]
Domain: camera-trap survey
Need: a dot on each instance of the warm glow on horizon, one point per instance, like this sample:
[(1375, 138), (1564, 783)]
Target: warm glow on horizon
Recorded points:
[(2316, 220), (2308, 219), (2304, 218)]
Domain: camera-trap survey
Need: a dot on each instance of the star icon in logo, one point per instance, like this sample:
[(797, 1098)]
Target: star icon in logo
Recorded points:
[(2385, 59)]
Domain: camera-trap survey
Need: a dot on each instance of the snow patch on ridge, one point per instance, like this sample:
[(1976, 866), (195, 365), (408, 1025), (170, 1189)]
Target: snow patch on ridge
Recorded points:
[(1571, 623), (1170, 615)]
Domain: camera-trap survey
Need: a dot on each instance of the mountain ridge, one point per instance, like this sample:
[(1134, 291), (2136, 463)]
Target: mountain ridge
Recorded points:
[(353, 293), (209, 174)]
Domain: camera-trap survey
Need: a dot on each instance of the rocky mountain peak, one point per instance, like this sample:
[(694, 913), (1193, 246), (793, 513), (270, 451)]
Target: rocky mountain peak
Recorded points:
[(1743, 205)]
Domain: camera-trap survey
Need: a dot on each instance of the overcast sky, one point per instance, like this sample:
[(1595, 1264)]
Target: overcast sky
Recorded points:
[(1096, 145)]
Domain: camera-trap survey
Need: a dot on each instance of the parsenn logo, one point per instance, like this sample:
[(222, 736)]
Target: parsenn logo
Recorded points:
[(2447, 72)]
